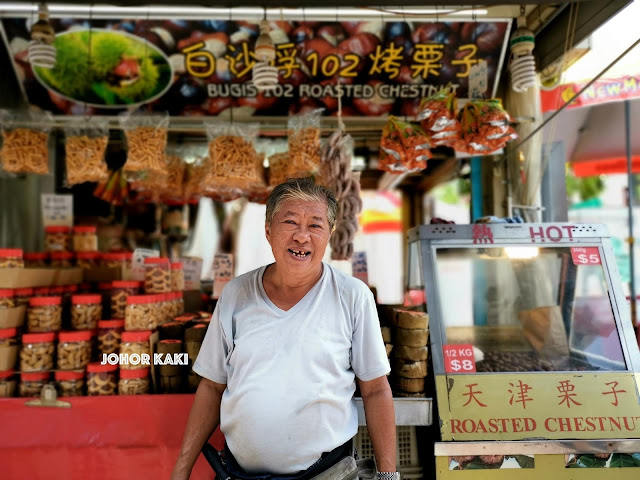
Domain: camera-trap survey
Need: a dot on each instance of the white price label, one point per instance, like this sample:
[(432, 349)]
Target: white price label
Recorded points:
[(57, 210), (222, 272), (478, 80), (192, 269), (359, 266), (137, 264)]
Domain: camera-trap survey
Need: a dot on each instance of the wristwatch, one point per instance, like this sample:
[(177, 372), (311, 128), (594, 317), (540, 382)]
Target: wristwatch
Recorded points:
[(388, 475)]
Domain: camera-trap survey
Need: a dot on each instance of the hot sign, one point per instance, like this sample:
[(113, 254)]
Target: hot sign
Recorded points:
[(459, 358)]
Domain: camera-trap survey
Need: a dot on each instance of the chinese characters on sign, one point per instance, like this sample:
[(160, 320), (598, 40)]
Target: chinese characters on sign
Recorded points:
[(222, 272), (481, 233), (57, 210), (359, 266)]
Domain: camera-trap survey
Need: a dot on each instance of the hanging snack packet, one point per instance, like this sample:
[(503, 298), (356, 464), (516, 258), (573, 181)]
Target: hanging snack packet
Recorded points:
[(404, 147), (304, 145), (85, 148), (146, 142), (25, 147), (438, 118)]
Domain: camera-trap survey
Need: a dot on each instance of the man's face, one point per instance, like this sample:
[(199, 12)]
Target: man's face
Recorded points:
[(298, 235)]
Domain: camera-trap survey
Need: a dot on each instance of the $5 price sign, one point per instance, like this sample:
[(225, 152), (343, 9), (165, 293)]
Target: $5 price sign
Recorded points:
[(459, 358), (585, 256)]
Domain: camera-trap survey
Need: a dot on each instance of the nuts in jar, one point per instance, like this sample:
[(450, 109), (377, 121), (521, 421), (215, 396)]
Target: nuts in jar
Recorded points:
[(36, 259), (74, 350), (157, 275), (6, 298), (70, 382), (177, 277), (31, 383), (141, 313), (57, 238), (86, 311), (11, 258), (109, 336), (61, 259), (37, 352), (85, 238), (8, 337), (44, 314), (134, 343), (87, 259), (101, 379), (134, 382), (7, 383), (120, 290), (22, 296), (117, 259)]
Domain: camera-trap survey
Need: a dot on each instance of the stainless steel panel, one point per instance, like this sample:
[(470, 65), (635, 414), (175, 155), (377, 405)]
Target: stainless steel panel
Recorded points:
[(409, 411)]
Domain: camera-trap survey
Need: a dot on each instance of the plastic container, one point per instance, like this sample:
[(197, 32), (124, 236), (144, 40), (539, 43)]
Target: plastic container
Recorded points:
[(85, 238), (109, 336), (36, 259), (86, 311), (74, 350), (61, 259), (57, 239), (22, 296), (11, 258), (177, 277), (134, 382), (41, 292), (31, 383), (157, 275), (165, 308), (8, 383), (116, 259), (7, 298), (102, 379), (37, 352), (134, 343), (8, 337), (70, 383), (141, 312), (44, 314), (88, 259), (120, 290)]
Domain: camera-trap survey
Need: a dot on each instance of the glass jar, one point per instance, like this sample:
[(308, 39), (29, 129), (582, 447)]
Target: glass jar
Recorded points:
[(85, 238), (57, 238), (31, 383), (37, 352), (36, 259), (70, 383), (165, 310), (115, 259), (22, 296), (134, 382), (141, 312), (86, 311), (120, 290), (177, 277), (74, 350), (88, 260), (157, 275), (11, 258), (44, 314), (61, 259), (101, 379), (134, 343), (109, 336), (8, 383), (7, 298)]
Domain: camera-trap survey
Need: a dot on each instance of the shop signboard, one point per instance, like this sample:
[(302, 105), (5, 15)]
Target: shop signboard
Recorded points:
[(203, 67), (602, 91)]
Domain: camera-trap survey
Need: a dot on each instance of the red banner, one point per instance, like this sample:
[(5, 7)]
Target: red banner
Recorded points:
[(602, 91)]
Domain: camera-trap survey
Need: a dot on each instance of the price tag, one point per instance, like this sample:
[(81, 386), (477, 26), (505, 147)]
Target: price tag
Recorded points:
[(478, 80), (192, 269), (137, 264), (222, 272), (585, 256), (359, 266), (57, 210), (459, 358)]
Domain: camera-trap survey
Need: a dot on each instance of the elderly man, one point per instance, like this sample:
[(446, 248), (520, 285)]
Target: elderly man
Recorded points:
[(282, 354)]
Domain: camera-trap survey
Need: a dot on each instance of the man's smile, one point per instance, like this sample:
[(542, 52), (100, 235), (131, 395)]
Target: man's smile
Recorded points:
[(299, 253)]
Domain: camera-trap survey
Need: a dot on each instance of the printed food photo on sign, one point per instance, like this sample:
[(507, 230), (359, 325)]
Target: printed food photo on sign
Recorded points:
[(204, 67)]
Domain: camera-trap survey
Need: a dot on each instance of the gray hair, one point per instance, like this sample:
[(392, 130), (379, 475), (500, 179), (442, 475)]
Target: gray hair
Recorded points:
[(303, 189)]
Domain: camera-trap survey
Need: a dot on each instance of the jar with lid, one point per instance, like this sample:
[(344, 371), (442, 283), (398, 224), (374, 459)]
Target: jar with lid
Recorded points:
[(134, 382), (177, 276), (7, 298), (37, 352), (179, 299), (74, 350), (36, 259), (157, 275), (88, 260), (8, 383), (141, 312), (135, 343), (61, 259), (101, 379), (115, 259), (120, 290), (109, 336), (41, 292), (70, 383), (22, 296), (44, 314), (11, 258), (164, 309), (57, 238), (31, 383), (86, 311), (85, 238)]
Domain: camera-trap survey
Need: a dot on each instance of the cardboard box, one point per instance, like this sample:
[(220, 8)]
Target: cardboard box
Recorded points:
[(13, 317), (103, 274), (8, 357), (39, 277)]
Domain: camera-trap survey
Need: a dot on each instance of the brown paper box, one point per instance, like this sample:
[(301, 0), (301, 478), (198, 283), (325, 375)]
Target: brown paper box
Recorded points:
[(103, 274), (13, 317), (39, 277), (8, 388), (8, 357)]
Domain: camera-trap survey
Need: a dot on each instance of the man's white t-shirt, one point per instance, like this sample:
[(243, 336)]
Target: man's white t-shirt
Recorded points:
[(290, 375)]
